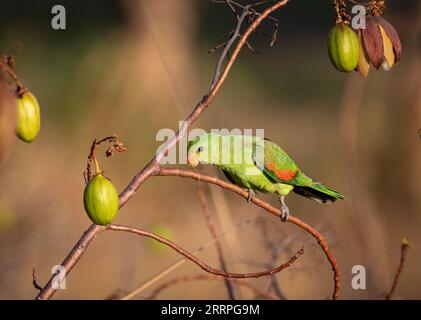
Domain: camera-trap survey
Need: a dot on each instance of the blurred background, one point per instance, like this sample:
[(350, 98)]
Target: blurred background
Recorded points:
[(130, 68)]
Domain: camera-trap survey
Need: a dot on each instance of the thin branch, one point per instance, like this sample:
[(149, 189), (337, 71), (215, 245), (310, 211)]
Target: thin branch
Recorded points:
[(211, 227), (223, 44), (199, 262), (228, 45), (405, 245), (269, 208), (228, 2), (250, 14), (205, 277)]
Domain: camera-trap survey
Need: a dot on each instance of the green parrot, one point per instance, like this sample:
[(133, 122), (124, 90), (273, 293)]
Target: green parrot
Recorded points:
[(257, 164)]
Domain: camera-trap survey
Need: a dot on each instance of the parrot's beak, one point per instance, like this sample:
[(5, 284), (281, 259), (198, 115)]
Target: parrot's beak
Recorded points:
[(192, 160)]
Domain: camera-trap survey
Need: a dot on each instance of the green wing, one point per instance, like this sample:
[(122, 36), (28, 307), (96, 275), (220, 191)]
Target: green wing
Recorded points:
[(278, 165)]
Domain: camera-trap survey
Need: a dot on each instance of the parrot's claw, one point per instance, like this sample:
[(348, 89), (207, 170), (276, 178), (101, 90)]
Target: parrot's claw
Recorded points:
[(251, 195), (284, 210), (284, 213)]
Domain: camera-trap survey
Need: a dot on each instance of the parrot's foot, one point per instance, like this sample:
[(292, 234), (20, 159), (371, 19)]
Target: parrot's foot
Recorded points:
[(284, 210), (251, 195)]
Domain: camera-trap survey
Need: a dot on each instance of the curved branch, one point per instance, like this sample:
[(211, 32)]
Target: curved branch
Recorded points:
[(204, 277), (269, 208), (199, 262)]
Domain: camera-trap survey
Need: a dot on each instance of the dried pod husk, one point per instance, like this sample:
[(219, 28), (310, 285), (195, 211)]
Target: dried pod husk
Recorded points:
[(382, 43), (100, 200), (363, 62), (28, 117), (389, 55), (393, 36), (7, 121), (343, 47), (373, 43)]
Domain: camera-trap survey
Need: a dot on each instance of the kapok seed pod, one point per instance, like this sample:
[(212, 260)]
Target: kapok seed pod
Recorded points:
[(343, 48), (101, 200), (28, 117)]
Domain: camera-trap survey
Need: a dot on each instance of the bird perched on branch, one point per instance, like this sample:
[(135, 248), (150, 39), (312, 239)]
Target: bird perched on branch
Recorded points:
[(257, 164)]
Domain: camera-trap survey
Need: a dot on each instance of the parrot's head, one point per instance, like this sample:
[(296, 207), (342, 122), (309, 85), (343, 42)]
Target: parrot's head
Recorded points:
[(198, 150)]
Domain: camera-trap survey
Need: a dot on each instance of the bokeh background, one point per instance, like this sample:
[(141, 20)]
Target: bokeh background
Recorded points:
[(131, 67)]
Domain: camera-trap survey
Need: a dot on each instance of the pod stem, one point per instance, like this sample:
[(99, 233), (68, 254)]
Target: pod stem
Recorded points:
[(97, 169), (340, 9), (114, 145), (378, 8), (375, 8)]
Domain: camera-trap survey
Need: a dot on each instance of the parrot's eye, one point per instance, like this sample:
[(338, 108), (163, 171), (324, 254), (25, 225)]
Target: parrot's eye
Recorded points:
[(200, 149)]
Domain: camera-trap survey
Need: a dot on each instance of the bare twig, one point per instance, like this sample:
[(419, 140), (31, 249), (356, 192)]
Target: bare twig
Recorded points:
[(225, 52), (204, 277), (269, 208), (211, 226), (248, 12), (251, 7), (221, 45), (405, 245), (34, 280)]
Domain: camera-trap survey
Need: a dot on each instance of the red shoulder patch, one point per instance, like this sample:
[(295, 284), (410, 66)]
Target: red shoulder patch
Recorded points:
[(284, 175)]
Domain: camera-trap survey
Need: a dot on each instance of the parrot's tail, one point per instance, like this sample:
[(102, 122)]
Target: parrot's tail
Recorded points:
[(318, 192)]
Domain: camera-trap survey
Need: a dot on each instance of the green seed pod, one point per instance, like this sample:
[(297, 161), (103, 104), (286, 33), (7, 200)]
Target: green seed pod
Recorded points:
[(28, 117), (101, 200), (344, 48)]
